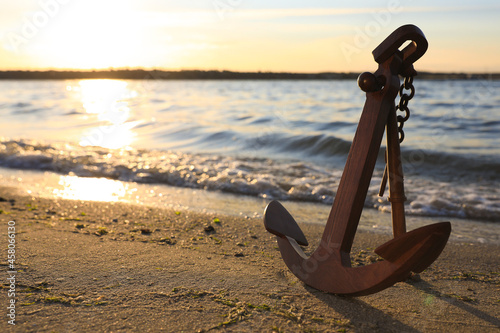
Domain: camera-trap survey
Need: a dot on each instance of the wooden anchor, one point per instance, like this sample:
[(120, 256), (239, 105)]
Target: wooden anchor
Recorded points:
[(328, 268)]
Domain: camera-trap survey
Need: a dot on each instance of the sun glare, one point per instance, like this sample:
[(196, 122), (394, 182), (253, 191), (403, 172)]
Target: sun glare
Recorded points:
[(107, 101), (93, 34), (77, 188)]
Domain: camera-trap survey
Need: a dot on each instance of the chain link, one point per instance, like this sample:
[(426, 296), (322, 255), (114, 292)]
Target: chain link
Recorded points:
[(403, 107), (403, 104)]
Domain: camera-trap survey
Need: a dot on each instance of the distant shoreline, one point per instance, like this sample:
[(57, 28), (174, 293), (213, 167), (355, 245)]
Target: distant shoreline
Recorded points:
[(141, 74)]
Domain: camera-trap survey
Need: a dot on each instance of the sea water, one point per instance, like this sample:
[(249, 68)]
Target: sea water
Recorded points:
[(285, 140)]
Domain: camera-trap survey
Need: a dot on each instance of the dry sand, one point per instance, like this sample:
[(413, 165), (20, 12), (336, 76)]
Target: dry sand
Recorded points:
[(109, 267)]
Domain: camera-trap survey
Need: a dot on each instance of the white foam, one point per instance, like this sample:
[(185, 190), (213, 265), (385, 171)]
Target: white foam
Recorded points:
[(55, 186), (265, 178)]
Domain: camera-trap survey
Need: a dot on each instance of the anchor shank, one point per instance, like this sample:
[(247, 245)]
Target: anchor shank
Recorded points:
[(395, 172), (351, 194)]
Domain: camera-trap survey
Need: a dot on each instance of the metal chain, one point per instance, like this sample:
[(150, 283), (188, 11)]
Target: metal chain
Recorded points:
[(403, 104)]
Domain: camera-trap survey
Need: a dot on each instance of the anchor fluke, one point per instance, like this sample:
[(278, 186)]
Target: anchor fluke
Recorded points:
[(396, 247), (279, 222)]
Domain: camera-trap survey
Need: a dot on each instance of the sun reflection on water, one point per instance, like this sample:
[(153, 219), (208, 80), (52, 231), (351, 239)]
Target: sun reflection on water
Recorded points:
[(94, 189), (108, 102)]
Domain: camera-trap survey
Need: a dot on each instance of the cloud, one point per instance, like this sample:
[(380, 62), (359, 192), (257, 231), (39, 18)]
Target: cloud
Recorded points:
[(299, 12), (313, 12)]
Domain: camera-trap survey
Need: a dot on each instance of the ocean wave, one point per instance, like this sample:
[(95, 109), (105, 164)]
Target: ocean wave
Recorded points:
[(322, 148), (450, 167), (269, 178), (297, 146)]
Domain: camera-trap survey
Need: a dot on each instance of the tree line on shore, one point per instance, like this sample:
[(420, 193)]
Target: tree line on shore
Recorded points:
[(143, 74)]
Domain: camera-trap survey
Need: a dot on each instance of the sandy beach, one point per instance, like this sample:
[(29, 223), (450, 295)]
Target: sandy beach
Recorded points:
[(108, 267)]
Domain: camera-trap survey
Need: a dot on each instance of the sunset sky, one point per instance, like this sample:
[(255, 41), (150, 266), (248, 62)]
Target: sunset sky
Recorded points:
[(242, 35)]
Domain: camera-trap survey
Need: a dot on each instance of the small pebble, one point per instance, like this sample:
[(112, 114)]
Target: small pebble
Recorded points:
[(415, 277), (371, 258), (209, 228)]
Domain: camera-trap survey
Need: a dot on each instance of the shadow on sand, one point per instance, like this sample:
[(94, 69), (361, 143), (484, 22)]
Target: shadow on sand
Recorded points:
[(365, 318), (362, 316), (430, 290)]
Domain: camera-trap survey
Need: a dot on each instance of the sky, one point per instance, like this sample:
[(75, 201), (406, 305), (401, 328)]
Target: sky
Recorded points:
[(242, 35)]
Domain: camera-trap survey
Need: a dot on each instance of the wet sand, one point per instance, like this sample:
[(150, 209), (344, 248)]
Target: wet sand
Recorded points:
[(95, 266)]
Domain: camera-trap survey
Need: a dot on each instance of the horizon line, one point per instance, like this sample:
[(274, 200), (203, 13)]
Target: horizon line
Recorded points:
[(146, 69)]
